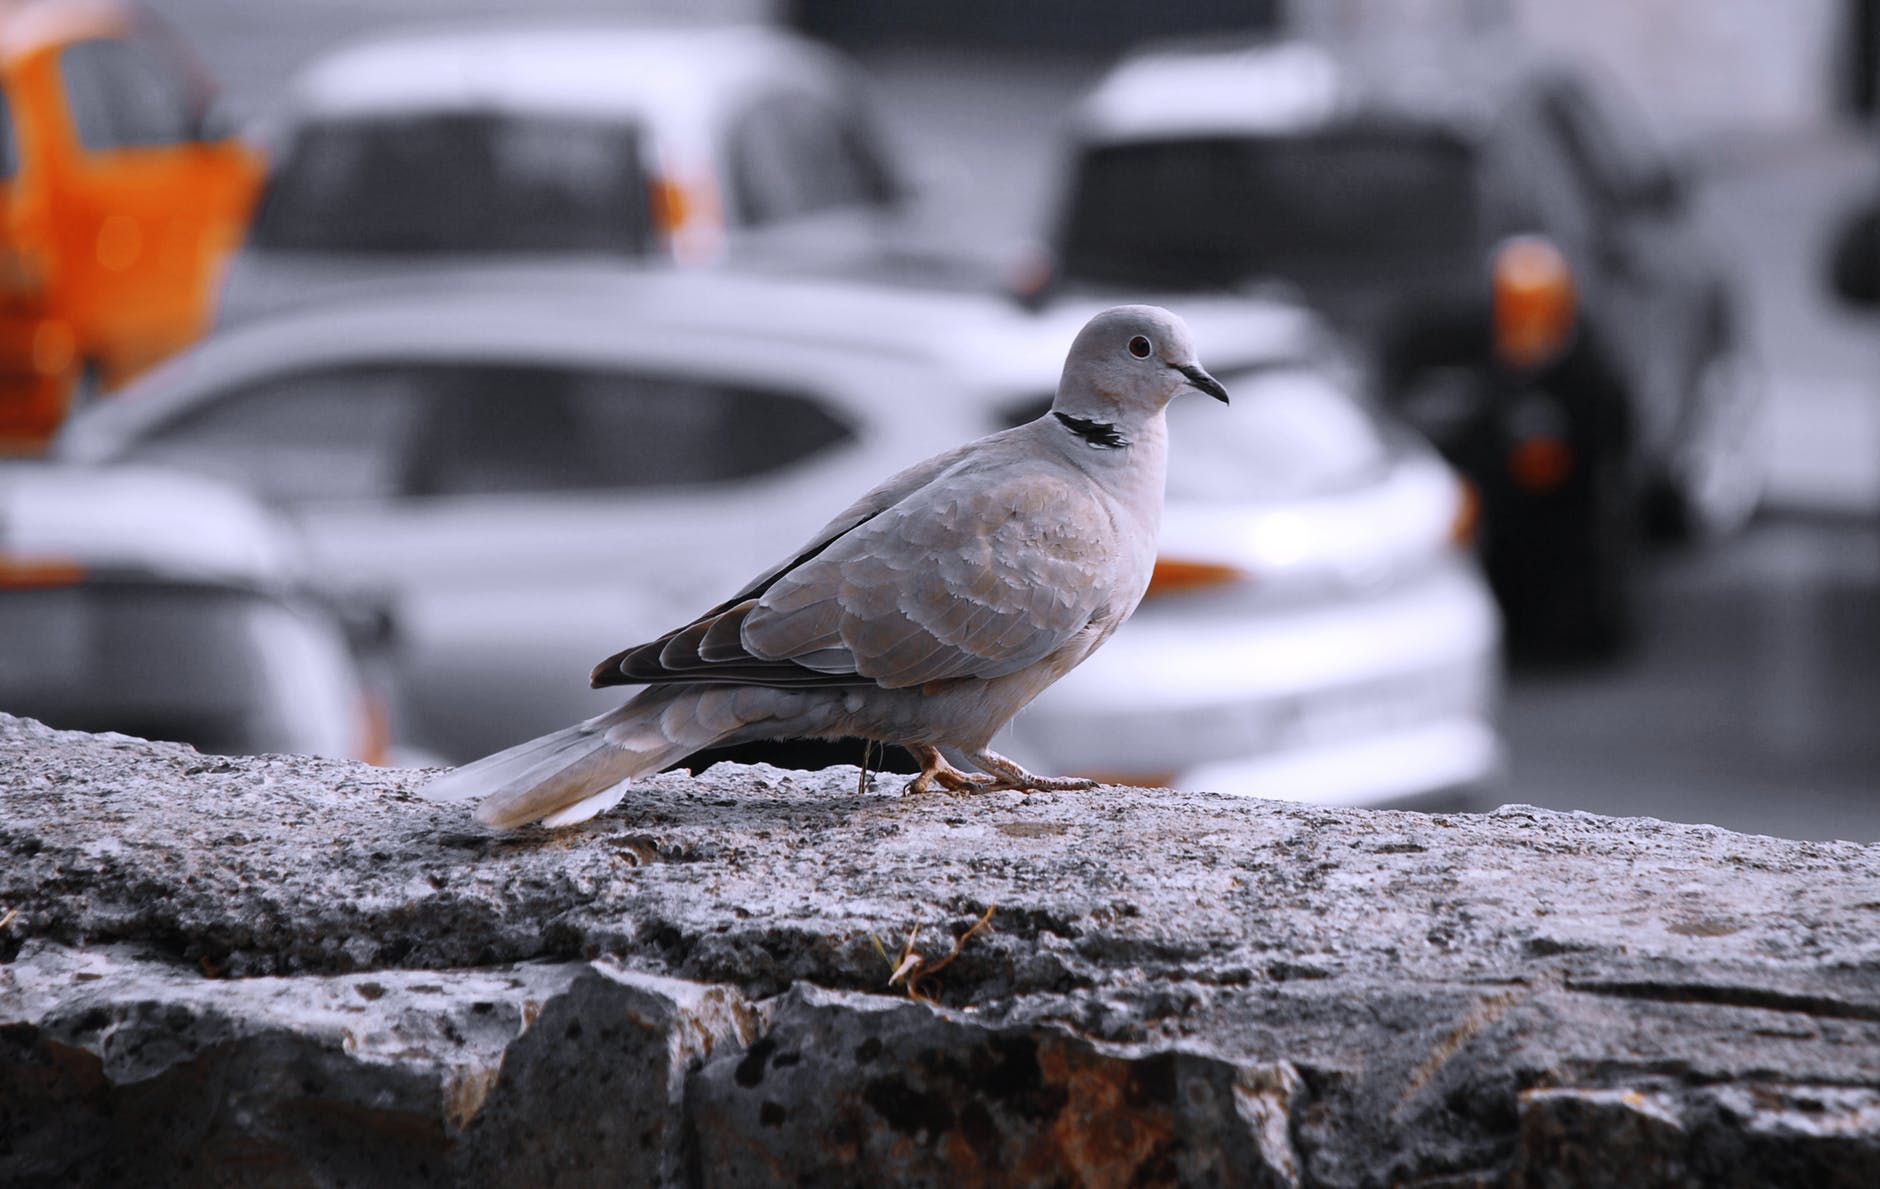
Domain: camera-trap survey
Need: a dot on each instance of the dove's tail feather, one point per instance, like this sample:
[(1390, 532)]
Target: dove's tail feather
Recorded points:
[(561, 778)]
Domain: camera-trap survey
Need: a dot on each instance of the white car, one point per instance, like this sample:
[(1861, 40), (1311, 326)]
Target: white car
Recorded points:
[(546, 470), (547, 142), (171, 607)]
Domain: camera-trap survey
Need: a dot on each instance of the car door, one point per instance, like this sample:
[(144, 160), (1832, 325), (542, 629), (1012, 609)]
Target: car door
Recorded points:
[(146, 202)]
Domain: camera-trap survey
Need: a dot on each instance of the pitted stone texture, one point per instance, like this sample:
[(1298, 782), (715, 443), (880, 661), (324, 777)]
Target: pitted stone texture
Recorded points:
[(759, 877), (1418, 975), (854, 1090), (1745, 1134), (116, 1069)]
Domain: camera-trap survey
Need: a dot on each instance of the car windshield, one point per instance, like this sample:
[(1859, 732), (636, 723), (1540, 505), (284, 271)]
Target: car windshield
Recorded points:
[(457, 182), (8, 161), (1220, 211)]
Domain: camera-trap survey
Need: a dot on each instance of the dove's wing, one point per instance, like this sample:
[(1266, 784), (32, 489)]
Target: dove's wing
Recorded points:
[(982, 576), (892, 491), (988, 567), (640, 665)]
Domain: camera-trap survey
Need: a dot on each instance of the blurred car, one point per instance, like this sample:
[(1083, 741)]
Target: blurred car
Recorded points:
[(171, 607), (544, 472), (1522, 264), (119, 195), (622, 143)]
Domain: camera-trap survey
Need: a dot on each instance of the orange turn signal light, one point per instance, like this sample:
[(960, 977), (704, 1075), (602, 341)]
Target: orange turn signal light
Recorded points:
[(671, 205), (375, 730), (39, 573), (1467, 520), (687, 214), (1175, 576), (1534, 302), (1540, 462)]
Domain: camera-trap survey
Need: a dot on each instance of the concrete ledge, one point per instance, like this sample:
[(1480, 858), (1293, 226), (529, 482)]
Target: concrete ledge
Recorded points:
[(292, 971)]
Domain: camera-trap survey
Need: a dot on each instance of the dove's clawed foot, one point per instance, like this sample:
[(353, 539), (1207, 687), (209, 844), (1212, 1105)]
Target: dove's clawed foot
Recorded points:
[(1000, 775), (935, 771), (1007, 775)]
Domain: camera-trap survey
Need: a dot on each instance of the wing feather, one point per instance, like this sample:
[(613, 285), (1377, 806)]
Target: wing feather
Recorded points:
[(1004, 575), (977, 564), (640, 664)]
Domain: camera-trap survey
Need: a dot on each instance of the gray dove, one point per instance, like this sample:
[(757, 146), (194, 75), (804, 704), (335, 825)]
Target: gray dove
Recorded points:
[(926, 614)]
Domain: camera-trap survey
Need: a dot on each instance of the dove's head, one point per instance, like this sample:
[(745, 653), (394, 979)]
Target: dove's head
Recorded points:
[(1127, 363)]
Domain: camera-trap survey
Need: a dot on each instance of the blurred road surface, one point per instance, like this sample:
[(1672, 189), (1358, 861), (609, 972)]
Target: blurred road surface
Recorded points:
[(1755, 700)]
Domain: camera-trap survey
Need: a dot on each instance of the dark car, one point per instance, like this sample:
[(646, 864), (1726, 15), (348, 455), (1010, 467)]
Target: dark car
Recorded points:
[(1523, 266)]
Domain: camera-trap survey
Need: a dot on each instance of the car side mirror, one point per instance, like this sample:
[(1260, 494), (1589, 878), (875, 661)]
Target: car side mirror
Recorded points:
[(366, 616), (1854, 256)]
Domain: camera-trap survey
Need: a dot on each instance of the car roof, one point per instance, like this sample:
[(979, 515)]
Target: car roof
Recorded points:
[(973, 341), (140, 520), (646, 72), (31, 26), (1280, 87)]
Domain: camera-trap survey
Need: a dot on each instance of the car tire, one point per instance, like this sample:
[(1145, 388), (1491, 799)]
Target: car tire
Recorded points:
[(1715, 474)]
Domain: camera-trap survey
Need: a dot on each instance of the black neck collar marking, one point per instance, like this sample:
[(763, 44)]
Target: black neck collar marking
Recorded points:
[(1100, 434)]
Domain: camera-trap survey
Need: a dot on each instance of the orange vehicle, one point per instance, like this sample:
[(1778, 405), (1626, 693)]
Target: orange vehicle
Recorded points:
[(119, 200)]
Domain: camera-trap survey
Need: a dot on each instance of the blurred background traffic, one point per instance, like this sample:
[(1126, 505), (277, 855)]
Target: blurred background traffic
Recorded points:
[(368, 371)]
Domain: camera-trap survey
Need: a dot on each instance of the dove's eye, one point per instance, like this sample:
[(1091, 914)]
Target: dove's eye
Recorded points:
[(1140, 347)]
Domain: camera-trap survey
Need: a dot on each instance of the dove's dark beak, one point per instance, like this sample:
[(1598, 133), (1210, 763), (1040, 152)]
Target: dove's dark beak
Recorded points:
[(1202, 380)]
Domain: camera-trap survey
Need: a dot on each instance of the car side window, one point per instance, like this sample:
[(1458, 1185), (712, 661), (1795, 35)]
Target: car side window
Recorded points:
[(1542, 178), (309, 437), (378, 432), (9, 159), (123, 95), (1608, 147), (796, 154), (1525, 172), (514, 429)]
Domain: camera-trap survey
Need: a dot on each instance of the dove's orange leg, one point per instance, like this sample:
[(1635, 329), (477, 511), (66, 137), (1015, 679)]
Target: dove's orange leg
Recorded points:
[(1007, 775), (934, 770)]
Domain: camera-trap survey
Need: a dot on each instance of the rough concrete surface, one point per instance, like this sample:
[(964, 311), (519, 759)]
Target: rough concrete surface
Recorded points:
[(292, 971)]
